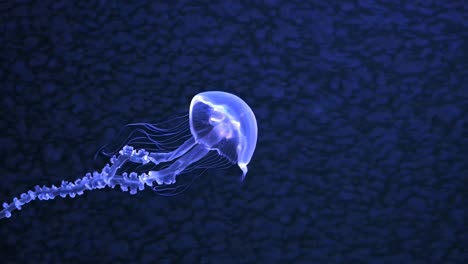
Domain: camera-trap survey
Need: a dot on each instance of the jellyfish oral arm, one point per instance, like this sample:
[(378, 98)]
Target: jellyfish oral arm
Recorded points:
[(131, 182), (88, 182), (189, 153), (244, 169), (168, 175), (157, 158)]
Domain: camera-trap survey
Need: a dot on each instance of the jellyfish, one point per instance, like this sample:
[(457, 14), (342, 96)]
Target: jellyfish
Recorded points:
[(220, 124)]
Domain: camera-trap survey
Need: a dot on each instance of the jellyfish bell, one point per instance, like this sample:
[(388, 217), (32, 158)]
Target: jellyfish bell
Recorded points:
[(224, 122)]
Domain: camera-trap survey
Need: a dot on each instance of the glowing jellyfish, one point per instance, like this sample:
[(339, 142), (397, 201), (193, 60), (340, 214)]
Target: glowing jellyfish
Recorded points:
[(220, 123)]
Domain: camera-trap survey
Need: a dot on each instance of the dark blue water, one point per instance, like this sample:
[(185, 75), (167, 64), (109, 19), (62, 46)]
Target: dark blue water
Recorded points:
[(361, 110)]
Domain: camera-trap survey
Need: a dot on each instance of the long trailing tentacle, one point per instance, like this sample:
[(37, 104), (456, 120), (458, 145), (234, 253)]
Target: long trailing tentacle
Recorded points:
[(152, 137)]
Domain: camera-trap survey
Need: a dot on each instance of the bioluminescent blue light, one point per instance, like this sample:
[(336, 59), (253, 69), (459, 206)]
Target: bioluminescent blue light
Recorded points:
[(219, 122)]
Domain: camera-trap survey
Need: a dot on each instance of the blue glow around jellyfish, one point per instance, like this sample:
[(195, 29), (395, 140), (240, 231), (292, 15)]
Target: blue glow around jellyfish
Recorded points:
[(222, 131)]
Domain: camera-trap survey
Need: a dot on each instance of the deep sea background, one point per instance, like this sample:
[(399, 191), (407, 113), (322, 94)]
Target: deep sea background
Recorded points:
[(362, 117)]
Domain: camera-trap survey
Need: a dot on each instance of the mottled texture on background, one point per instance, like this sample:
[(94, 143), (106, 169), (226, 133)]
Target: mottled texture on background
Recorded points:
[(362, 113)]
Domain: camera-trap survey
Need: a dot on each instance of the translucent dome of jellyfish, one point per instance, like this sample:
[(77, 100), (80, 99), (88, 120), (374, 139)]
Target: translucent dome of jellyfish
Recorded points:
[(221, 130)]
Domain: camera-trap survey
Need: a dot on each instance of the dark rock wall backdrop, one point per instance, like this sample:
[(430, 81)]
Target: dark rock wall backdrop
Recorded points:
[(362, 114)]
